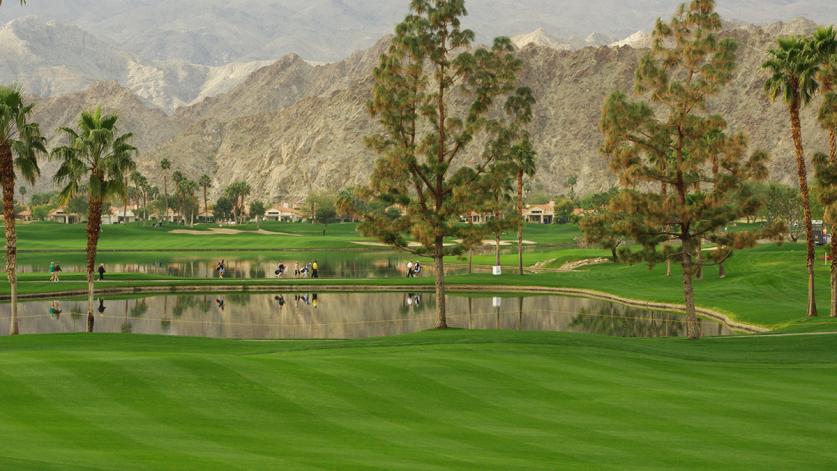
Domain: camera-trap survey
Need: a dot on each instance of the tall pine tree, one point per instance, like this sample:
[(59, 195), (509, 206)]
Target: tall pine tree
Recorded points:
[(433, 96), (672, 142)]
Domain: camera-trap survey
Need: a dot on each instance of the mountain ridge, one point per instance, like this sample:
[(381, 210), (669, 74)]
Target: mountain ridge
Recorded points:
[(292, 127)]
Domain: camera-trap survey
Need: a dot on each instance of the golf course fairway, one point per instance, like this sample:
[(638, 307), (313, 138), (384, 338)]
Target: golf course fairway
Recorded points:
[(434, 400)]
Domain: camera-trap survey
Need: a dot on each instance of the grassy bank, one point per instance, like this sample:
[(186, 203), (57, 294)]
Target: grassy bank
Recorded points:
[(440, 400)]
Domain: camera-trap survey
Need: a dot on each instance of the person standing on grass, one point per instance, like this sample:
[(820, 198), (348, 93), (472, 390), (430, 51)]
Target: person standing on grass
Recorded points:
[(101, 272), (56, 272), (315, 270), (409, 269), (221, 269), (52, 271)]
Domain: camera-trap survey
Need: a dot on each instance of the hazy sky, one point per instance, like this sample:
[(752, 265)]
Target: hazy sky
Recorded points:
[(328, 29)]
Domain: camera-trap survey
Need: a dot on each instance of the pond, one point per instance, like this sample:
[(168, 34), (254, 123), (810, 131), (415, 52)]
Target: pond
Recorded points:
[(333, 315), (335, 264)]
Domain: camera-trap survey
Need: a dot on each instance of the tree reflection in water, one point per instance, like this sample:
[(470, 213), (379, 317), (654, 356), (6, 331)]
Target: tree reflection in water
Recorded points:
[(624, 321), (139, 308), (346, 315)]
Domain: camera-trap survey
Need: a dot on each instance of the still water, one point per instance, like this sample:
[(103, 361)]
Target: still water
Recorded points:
[(341, 316), (337, 264)]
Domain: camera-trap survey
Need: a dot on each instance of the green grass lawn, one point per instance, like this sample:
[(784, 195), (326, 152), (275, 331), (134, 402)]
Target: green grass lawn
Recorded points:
[(437, 400), (137, 237)]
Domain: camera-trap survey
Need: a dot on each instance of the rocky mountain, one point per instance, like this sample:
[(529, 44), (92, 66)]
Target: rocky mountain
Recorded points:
[(150, 126), (541, 38), (53, 59), (293, 127), (638, 40)]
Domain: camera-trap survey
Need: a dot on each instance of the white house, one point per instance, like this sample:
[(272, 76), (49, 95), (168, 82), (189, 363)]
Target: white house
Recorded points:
[(540, 213), (61, 215), (118, 215), (283, 213)]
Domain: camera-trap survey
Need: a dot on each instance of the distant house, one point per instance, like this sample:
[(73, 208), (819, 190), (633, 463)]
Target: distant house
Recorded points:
[(61, 215), (118, 215), (206, 216), (473, 217), (540, 213), (283, 213), (25, 215)]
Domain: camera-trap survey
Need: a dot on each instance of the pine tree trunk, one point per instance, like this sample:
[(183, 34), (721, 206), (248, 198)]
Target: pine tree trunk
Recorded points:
[(470, 261), (668, 267), (7, 173), (699, 260), (439, 264), (520, 223), (94, 226), (692, 324), (796, 130)]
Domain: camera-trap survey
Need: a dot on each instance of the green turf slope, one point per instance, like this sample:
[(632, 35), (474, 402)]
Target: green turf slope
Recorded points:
[(439, 400)]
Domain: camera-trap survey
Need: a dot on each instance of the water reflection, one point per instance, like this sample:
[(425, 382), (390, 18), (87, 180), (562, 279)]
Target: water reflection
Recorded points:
[(624, 321), (331, 265), (340, 315)]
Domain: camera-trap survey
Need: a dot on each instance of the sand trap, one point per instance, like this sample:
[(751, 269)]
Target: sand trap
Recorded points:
[(288, 234), (379, 244), (188, 232), (506, 243), (503, 243)]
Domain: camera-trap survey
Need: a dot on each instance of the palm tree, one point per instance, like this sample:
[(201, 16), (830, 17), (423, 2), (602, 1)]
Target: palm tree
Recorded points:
[(20, 144), (238, 193), (141, 184), (185, 197), (523, 160), (205, 182), (793, 67), (572, 181), (824, 44), (243, 191), (95, 152), (165, 165)]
